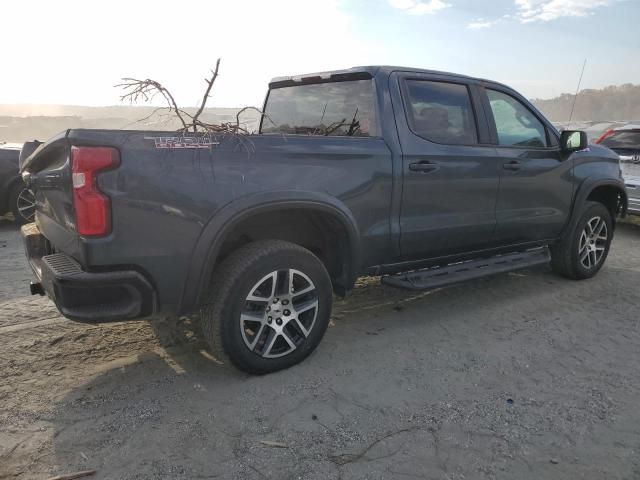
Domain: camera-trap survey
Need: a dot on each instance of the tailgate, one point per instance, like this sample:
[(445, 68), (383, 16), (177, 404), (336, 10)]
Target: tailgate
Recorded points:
[(47, 172)]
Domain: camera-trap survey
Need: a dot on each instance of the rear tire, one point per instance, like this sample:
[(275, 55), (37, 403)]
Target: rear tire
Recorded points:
[(22, 204), (269, 306), (582, 253)]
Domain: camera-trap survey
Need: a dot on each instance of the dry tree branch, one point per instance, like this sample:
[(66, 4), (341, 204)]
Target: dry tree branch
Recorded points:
[(145, 90), (214, 75), (72, 476), (332, 127), (244, 109)]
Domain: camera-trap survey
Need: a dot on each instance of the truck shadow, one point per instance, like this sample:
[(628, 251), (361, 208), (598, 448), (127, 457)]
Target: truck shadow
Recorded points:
[(8, 224), (370, 299), (631, 224), (394, 368), (15, 273), (167, 409), (389, 355)]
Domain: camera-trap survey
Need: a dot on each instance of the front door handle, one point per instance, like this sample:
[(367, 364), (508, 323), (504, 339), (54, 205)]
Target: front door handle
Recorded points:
[(512, 165), (424, 167)]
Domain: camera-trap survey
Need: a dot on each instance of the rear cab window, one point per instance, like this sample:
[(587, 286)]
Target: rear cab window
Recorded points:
[(336, 108), (440, 112)]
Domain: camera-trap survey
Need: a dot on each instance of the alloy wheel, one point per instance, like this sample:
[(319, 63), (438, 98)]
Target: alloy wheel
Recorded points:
[(279, 313), (593, 242), (26, 204)]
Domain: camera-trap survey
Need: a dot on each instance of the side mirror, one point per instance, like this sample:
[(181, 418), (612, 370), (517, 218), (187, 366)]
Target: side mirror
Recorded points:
[(573, 140)]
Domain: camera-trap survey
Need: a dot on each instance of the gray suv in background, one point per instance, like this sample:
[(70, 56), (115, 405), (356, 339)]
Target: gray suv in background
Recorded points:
[(15, 198), (625, 141)]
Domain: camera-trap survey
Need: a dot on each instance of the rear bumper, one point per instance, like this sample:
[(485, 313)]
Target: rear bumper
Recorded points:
[(87, 296)]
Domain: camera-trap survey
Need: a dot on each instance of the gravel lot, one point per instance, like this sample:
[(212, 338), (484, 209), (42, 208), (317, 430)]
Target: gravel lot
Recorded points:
[(521, 376)]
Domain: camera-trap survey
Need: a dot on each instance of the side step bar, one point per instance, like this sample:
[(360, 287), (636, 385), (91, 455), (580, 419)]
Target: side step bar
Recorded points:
[(469, 270)]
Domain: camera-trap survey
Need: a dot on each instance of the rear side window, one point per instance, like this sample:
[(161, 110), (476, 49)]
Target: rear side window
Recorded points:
[(622, 139), (441, 112), (516, 125), (336, 109)]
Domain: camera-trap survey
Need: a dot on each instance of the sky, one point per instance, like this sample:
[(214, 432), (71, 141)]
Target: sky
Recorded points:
[(74, 52)]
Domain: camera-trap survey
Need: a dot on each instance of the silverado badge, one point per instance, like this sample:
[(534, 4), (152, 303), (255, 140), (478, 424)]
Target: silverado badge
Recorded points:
[(183, 142)]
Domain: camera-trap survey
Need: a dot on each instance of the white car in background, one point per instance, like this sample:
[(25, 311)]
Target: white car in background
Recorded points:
[(625, 141)]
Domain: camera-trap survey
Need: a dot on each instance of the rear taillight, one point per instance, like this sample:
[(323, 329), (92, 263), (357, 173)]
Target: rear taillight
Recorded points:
[(93, 208), (606, 134)]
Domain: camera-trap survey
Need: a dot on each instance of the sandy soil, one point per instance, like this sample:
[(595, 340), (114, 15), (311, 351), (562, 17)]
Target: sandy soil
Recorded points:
[(522, 376)]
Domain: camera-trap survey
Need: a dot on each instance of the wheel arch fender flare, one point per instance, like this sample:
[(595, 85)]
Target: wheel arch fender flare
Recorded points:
[(586, 187), (207, 248)]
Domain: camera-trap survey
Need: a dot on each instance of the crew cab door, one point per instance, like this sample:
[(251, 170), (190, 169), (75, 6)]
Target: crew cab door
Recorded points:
[(536, 187), (450, 171)]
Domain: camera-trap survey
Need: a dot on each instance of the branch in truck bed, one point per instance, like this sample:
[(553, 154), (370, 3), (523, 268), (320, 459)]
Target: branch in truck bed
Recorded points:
[(206, 93), (146, 90), (137, 90)]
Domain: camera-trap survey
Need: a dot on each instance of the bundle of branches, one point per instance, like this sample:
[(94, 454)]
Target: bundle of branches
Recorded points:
[(137, 90)]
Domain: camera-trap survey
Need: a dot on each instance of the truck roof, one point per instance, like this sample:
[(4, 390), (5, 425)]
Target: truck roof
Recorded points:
[(363, 72)]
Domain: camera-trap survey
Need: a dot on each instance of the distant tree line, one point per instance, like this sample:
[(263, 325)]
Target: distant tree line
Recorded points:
[(614, 103)]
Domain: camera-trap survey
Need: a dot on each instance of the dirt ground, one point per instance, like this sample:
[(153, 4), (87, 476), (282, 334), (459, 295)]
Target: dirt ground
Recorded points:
[(521, 376)]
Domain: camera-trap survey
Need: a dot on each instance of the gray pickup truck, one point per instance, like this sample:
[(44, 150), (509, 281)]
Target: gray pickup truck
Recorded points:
[(421, 177)]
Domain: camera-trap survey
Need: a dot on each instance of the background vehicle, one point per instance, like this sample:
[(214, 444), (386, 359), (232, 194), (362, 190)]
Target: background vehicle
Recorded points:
[(367, 171), (625, 141), (15, 198)]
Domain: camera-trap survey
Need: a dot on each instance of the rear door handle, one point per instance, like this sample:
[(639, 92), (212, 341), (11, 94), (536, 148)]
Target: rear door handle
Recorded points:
[(424, 167), (512, 165)]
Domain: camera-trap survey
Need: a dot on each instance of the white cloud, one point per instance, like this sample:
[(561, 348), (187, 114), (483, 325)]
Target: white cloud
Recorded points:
[(546, 10), (419, 7), (529, 11), (481, 23)]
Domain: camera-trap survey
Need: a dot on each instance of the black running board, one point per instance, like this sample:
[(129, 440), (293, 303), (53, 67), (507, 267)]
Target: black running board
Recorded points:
[(472, 269)]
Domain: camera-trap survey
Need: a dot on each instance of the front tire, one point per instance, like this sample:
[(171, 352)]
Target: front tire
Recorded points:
[(583, 252), (269, 306)]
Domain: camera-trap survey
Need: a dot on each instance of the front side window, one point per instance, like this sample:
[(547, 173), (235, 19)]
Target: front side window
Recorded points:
[(441, 112), (332, 109), (516, 125)]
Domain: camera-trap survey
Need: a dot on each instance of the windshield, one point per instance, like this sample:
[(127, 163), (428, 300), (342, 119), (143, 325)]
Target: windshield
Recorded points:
[(335, 108)]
